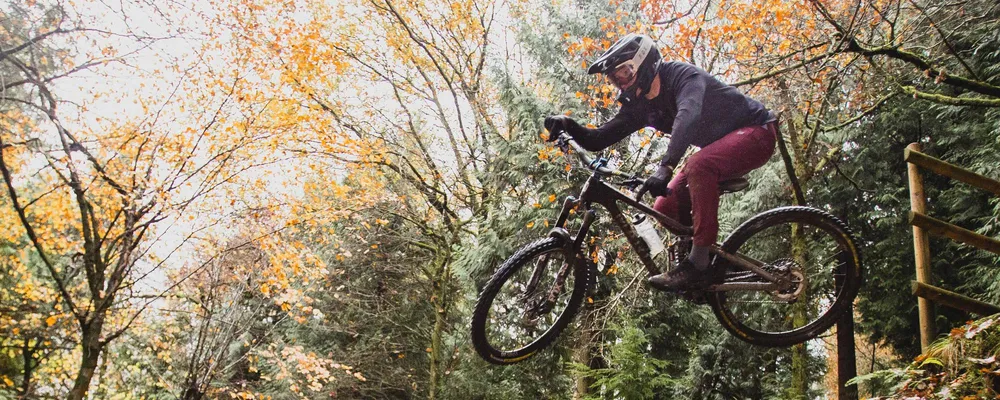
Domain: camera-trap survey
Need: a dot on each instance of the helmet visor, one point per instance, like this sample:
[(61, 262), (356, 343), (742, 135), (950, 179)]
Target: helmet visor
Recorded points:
[(623, 76)]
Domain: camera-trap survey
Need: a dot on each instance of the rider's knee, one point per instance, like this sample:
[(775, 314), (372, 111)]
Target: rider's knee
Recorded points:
[(666, 205)]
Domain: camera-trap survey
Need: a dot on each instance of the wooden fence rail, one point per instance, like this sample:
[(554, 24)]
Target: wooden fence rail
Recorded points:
[(914, 156), (940, 228), (954, 300)]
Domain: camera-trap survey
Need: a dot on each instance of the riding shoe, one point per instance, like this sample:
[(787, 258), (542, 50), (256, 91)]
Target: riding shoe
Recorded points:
[(688, 277)]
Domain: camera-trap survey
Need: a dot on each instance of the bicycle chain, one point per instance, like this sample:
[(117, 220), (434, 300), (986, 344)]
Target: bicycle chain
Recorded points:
[(754, 302)]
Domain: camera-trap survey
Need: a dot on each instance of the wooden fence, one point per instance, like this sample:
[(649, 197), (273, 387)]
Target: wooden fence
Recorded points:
[(924, 225)]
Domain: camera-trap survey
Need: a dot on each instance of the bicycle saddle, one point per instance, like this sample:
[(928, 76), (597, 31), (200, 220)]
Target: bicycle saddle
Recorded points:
[(733, 185)]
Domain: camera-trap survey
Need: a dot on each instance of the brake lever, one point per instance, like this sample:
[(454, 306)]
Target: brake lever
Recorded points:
[(563, 144), (633, 183)]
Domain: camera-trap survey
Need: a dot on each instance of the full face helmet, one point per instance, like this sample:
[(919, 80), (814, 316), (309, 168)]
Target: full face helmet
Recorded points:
[(629, 63)]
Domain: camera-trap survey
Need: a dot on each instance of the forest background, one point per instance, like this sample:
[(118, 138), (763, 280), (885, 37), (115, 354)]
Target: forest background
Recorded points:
[(280, 199)]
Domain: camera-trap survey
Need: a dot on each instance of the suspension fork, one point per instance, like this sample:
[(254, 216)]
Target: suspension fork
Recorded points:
[(568, 205), (572, 245)]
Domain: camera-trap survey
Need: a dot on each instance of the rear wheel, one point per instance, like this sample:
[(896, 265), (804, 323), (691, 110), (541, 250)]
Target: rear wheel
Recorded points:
[(528, 302), (811, 248)]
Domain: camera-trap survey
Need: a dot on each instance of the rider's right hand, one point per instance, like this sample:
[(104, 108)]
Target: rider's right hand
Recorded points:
[(656, 184), (555, 124)]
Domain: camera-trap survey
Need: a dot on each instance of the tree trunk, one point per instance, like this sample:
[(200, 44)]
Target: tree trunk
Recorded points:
[(435, 356), (800, 375), (27, 353), (583, 355), (192, 393), (440, 302), (800, 356), (92, 348)]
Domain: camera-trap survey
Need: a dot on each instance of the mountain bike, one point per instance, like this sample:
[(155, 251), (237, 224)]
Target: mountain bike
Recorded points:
[(790, 272)]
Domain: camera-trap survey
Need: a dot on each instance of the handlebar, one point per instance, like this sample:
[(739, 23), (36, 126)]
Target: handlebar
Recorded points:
[(598, 165)]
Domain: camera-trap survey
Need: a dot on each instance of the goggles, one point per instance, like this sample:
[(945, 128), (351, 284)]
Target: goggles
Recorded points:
[(623, 76)]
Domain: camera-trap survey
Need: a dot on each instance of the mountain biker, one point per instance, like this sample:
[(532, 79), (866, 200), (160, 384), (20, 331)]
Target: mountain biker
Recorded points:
[(736, 135)]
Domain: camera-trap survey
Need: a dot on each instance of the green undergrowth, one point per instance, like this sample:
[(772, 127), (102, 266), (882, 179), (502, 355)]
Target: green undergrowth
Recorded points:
[(963, 365)]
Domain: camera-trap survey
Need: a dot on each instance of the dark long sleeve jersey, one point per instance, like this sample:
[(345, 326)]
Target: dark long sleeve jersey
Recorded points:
[(694, 107)]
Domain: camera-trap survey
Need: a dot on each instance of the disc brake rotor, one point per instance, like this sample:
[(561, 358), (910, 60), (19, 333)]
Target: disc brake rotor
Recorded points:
[(791, 271)]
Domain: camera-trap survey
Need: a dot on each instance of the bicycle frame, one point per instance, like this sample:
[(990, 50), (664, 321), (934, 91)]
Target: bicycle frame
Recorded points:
[(596, 191)]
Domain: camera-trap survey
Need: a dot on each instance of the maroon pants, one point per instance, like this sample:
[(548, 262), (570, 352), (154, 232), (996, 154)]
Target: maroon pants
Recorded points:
[(695, 189)]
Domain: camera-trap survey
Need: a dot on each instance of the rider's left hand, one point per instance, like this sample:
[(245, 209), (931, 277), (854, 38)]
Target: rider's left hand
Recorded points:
[(555, 124), (656, 184)]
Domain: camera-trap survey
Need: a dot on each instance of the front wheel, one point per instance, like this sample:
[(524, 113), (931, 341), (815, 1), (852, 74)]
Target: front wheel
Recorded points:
[(809, 247), (528, 302)]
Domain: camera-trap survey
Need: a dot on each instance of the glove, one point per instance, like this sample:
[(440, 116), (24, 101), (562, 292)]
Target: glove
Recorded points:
[(656, 184), (555, 124)]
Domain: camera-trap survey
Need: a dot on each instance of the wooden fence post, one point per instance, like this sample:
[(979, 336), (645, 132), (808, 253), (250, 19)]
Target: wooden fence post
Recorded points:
[(921, 252)]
